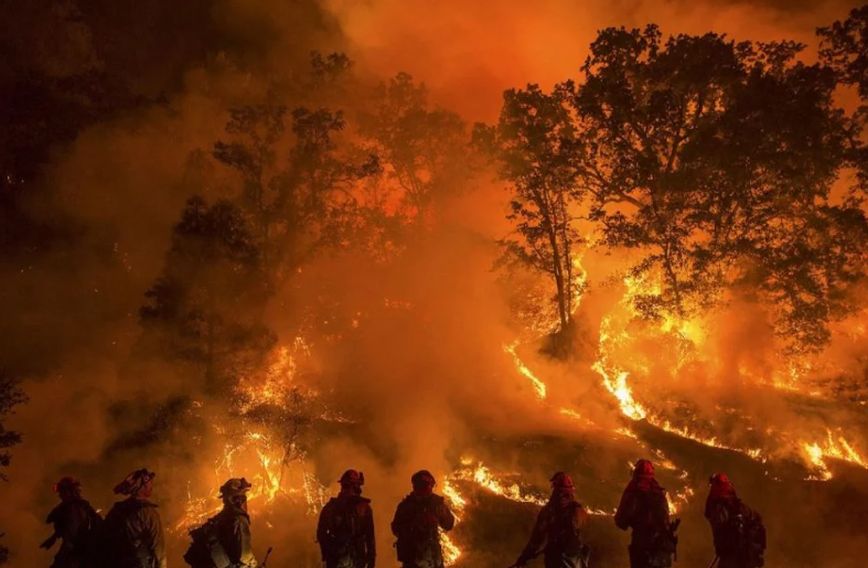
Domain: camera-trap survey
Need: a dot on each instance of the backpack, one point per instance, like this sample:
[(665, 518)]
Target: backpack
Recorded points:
[(85, 545), (664, 542), (205, 550), (115, 547), (341, 527), (750, 537), (563, 534), (417, 534), (90, 541)]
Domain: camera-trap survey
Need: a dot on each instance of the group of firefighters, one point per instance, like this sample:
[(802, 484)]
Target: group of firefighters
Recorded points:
[(131, 535)]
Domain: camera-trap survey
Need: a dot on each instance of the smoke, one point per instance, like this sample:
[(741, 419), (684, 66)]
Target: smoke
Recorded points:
[(421, 378), (468, 54)]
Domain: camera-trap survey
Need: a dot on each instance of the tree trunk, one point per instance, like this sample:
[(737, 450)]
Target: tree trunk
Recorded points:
[(557, 267), (673, 279)]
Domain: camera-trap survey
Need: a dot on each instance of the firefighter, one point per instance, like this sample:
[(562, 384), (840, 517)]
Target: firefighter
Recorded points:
[(133, 536), (76, 525), (738, 531), (645, 509), (345, 531), (233, 524), (558, 530), (224, 539), (416, 524)]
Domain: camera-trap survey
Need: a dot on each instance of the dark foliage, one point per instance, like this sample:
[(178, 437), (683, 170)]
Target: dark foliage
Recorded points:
[(204, 308), (11, 396), (717, 160), (535, 146)]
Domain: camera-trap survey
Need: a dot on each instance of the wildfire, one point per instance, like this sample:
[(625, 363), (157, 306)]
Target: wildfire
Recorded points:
[(451, 493), (614, 335), (575, 415), (451, 552), (271, 479), (679, 499), (833, 447), (621, 391), (483, 476), (538, 385), (712, 442), (615, 379), (277, 382), (274, 464)]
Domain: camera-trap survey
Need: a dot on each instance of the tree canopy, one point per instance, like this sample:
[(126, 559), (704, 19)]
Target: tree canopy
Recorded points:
[(715, 161), (536, 145)]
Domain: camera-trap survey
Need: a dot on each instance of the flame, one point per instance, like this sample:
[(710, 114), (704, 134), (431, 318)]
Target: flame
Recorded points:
[(679, 499), (833, 447), (614, 335), (577, 416), (276, 469), (451, 552), (276, 383), (621, 391), (712, 442), (482, 476), (538, 385), (614, 378), (271, 480), (457, 502)]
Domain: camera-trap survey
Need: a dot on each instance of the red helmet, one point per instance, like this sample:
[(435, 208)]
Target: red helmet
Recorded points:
[(643, 468), (719, 479), (561, 480), (67, 484), (352, 478), (422, 480), (721, 484)]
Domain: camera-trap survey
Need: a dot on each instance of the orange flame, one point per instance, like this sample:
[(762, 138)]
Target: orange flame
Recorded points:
[(538, 385)]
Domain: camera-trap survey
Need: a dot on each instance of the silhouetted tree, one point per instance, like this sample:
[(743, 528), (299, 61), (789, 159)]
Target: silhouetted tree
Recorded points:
[(298, 202), (256, 130), (205, 308), (844, 47), (536, 145), (422, 149), (10, 396), (716, 160), (328, 69), (318, 195)]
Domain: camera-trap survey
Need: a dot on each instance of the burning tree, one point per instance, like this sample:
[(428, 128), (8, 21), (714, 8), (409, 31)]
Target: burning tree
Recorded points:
[(423, 149), (717, 161), (535, 143)]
